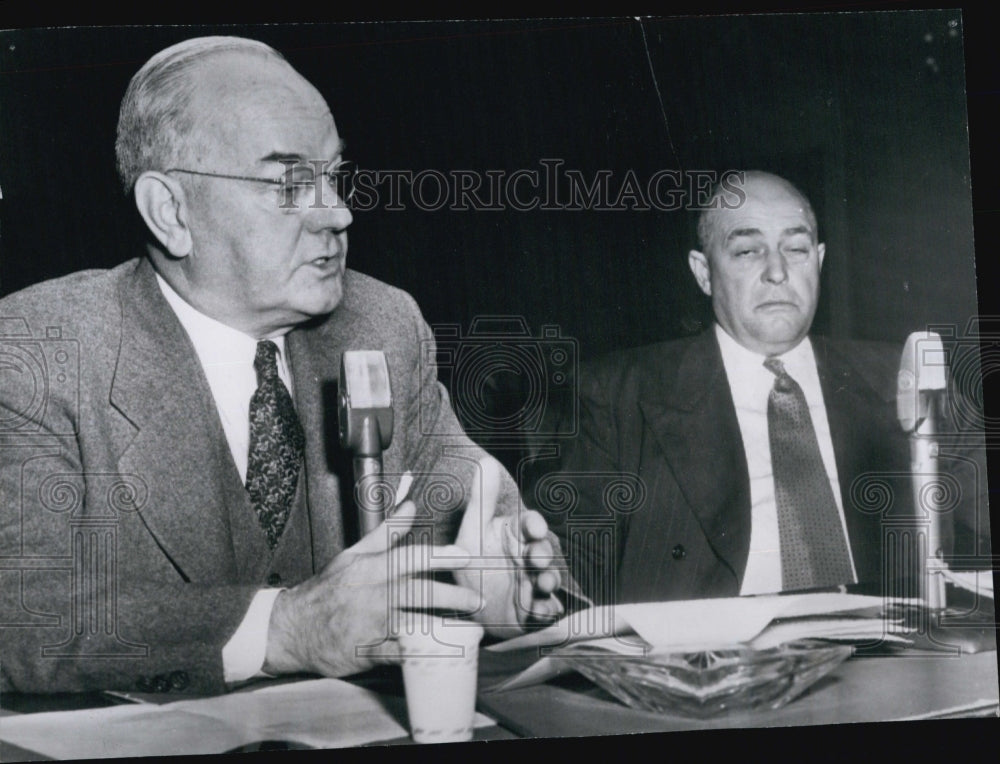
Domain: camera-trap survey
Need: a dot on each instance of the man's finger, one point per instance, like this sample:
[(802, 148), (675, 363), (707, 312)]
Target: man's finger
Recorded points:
[(544, 610), (539, 554), (535, 607), (414, 559), (481, 507), (425, 594), (548, 581), (533, 526), (380, 539)]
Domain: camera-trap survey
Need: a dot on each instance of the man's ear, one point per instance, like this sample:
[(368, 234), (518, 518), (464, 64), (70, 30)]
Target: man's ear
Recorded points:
[(698, 263), (821, 251), (161, 202)]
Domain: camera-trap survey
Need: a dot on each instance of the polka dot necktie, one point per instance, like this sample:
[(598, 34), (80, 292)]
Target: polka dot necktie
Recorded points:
[(276, 446), (813, 547)]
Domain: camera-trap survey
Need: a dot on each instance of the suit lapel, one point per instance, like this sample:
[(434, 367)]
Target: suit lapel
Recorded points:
[(178, 449), (695, 426), (855, 411)]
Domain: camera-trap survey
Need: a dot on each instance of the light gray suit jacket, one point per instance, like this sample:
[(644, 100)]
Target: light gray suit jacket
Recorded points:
[(129, 552)]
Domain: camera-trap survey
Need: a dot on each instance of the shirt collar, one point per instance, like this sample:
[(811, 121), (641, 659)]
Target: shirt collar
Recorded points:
[(214, 342), (750, 382)]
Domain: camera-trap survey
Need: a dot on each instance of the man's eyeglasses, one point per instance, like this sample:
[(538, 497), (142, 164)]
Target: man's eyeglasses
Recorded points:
[(299, 186)]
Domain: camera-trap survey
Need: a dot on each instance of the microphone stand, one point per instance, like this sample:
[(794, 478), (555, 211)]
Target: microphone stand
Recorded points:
[(372, 498), (923, 474)]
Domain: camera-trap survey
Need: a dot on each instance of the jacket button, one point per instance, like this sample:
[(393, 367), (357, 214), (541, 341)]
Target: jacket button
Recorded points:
[(274, 580), (179, 680), (161, 683), (678, 552)]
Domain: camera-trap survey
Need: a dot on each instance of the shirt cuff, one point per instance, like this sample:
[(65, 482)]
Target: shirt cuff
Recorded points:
[(244, 654)]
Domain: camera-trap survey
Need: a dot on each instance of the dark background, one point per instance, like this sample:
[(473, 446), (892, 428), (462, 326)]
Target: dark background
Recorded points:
[(866, 112)]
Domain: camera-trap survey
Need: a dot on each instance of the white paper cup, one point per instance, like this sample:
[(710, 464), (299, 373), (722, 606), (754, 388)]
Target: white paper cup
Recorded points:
[(440, 661)]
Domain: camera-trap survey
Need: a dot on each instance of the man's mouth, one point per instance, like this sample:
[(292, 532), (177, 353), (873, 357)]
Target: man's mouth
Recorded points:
[(777, 305), (326, 261)]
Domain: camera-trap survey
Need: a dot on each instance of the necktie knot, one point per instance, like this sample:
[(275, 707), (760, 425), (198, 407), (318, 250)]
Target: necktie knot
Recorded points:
[(783, 383), (265, 362)]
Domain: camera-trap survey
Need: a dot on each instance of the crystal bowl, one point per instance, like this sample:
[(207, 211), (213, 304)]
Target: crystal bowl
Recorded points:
[(710, 683)]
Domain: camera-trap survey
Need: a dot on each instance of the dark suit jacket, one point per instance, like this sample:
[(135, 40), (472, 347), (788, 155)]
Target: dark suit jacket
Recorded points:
[(129, 551), (651, 498)]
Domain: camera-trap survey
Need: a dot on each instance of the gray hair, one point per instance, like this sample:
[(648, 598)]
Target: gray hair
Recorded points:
[(155, 122)]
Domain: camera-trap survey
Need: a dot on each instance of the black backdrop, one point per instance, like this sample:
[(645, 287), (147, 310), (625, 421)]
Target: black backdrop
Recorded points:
[(866, 112)]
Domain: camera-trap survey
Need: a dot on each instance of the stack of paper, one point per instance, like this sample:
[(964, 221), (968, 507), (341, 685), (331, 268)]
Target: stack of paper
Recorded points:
[(977, 581), (759, 622)]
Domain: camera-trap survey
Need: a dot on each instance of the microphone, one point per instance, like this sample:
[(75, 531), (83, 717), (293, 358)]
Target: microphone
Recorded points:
[(365, 426), (921, 381)]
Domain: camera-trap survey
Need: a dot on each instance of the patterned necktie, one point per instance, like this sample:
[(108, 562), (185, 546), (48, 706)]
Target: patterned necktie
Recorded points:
[(813, 548), (276, 444)]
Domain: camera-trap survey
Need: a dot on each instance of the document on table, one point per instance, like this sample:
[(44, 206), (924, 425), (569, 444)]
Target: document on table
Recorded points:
[(759, 622), (321, 713), (977, 581)]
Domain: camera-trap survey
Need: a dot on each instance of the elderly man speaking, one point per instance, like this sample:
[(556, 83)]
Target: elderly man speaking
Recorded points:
[(193, 424)]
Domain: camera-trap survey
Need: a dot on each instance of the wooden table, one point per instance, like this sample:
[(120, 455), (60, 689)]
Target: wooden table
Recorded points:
[(873, 689)]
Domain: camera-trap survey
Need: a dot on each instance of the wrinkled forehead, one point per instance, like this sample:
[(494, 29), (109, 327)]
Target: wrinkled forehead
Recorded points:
[(247, 108), (767, 208)]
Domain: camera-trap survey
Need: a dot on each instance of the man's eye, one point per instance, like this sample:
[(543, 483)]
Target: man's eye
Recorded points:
[(300, 178)]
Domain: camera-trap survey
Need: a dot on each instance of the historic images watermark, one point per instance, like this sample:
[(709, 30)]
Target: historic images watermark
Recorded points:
[(550, 186)]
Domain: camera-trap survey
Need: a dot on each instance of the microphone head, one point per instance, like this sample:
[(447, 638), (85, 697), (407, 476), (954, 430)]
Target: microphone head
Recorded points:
[(365, 402), (923, 369)]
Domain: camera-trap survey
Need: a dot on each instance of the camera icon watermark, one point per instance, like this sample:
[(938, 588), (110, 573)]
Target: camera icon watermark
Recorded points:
[(504, 381), (34, 371), (969, 356)]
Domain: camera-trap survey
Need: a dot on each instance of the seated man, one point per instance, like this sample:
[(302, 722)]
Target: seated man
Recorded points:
[(750, 458), (176, 514)]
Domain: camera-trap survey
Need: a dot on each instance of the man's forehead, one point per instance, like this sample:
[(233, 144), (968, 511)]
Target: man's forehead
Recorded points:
[(794, 221), (255, 107), (764, 212)]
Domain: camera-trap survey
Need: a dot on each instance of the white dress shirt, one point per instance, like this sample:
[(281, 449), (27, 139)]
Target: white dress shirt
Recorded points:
[(750, 384), (227, 356)]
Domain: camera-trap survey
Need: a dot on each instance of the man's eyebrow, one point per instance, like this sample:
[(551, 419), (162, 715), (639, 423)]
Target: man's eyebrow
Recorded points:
[(290, 158), (738, 232), (283, 157), (797, 229)]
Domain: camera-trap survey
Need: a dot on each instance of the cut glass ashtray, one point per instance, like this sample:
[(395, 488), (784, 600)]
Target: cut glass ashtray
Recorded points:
[(709, 683)]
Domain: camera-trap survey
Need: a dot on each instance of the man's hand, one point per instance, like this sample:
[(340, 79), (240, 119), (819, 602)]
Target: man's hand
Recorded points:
[(511, 560), (324, 624)]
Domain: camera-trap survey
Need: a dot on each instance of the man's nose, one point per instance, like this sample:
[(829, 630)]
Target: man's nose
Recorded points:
[(775, 267), (330, 211)]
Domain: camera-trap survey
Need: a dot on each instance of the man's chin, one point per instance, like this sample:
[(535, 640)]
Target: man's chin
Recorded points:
[(777, 337), (776, 344), (323, 303)]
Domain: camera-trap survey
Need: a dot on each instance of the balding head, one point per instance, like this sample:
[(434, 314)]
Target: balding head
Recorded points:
[(157, 120), (756, 180)]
